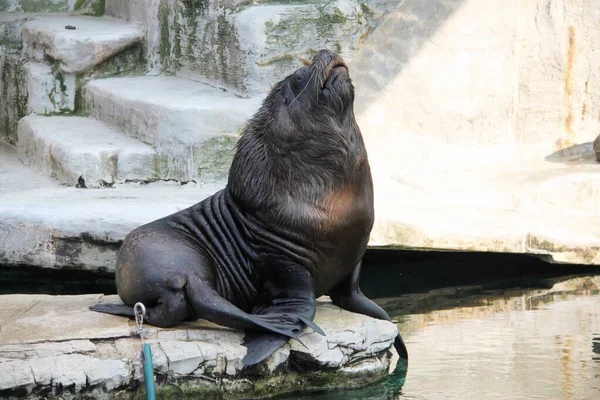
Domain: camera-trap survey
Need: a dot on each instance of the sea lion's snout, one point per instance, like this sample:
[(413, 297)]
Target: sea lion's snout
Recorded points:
[(328, 65), (322, 85)]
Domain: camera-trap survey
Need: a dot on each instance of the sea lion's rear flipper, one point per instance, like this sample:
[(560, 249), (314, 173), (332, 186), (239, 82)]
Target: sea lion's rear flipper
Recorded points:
[(347, 295), (286, 314), (261, 345), (289, 305), (114, 309)]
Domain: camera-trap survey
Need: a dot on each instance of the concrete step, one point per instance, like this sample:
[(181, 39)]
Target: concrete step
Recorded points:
[(69, 147), (193, 126), (45, 224), (92, 41)]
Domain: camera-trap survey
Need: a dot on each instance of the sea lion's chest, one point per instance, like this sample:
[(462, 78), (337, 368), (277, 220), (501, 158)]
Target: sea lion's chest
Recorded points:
[(340, 224)]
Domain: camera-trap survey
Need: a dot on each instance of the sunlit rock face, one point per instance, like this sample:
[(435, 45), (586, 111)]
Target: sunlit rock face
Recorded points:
[(55, 345), (480, 134)]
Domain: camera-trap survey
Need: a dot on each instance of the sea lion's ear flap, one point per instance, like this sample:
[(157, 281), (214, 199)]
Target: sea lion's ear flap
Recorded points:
[(305, 62)]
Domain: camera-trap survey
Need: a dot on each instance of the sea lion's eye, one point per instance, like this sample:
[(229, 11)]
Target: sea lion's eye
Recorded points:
[(299, 78)]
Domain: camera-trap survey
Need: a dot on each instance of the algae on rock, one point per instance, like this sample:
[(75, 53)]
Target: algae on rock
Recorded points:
[(245, 46), (13, 93)]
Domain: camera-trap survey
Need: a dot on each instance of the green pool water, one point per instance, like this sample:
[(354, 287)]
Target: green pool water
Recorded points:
[(472, 343)]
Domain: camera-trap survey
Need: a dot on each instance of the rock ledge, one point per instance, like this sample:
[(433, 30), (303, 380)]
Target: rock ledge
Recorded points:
[(56, 348)]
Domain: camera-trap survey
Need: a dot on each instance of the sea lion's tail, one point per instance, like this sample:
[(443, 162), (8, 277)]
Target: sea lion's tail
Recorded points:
[(113, 309)]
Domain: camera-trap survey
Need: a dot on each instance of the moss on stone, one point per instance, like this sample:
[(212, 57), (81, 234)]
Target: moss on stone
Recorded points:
[(81, 108), (213, 157), (258, 384), (90, 7), (586, 254), (326, 20), (278, 59), (43, 6), (164, 44), (98, 8), (13, 93), (131, 61)]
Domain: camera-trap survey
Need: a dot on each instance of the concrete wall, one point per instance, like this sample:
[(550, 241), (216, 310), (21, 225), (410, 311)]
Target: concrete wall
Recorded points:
[(521, 76), (479, 119)]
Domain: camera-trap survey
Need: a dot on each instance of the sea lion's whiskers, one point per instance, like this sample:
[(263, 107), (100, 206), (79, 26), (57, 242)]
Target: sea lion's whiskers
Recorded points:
[(304, 88)]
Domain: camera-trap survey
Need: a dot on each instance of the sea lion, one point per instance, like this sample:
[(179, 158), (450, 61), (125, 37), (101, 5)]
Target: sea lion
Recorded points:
[(292, 224)]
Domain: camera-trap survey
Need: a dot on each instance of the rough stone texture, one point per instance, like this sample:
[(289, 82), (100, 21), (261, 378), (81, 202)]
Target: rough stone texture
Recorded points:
[(246, 48), (49, 92), (57, 347), (94, 40), (490, 119), (13, 92), (69, 147), (192, 126)]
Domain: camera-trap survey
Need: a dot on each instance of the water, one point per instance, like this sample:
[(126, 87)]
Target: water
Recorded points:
[(473, 343), (477, 326)]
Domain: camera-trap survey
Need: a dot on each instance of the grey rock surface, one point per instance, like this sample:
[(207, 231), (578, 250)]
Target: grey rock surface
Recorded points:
[(57, 347)]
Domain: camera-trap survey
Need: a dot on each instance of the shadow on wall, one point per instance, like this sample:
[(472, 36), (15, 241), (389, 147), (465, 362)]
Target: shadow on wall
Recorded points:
[(404, 32)]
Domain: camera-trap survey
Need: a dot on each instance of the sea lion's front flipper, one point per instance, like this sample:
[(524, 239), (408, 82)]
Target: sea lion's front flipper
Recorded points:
[(288, 303), (347, 295)]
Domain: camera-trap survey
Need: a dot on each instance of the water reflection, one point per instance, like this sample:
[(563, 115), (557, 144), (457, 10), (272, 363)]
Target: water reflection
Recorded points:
[(474, 343)]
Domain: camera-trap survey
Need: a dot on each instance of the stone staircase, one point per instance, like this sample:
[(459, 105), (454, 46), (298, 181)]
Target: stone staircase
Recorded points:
[(186, 128), (142, 128), (140, 102)]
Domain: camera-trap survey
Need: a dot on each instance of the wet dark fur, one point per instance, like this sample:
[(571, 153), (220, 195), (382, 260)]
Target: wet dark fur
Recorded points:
[(292, 224)]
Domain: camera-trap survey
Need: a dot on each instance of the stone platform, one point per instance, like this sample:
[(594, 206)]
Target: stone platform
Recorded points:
[(54, 347)]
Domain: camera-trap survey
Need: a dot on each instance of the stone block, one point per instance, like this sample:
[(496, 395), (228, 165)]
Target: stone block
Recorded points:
[(49, 91), (69, 147), (77, 50), (192, 126), (37, 224)]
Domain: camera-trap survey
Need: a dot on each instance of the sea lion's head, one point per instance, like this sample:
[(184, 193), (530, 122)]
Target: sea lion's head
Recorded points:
[(323, 84), (303, 135), (319, 93)]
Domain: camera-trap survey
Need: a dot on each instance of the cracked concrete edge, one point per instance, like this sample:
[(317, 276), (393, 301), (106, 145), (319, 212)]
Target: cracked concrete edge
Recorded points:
[(196, 359)]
